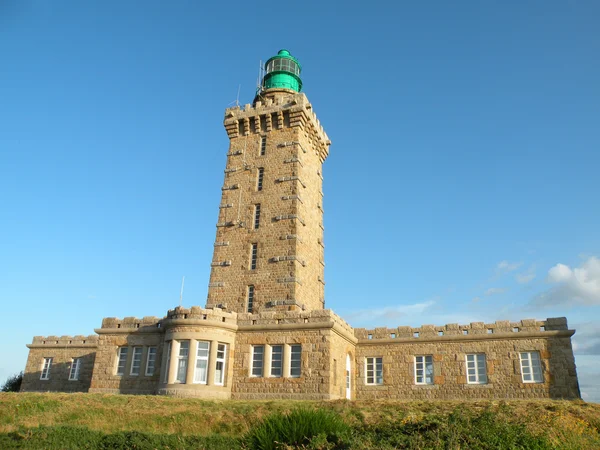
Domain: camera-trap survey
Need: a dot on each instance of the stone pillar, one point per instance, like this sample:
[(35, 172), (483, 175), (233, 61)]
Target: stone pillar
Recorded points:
[(267, 365), (212, 362), (164, 370), (191, 366), (286, 360), (173, 363)]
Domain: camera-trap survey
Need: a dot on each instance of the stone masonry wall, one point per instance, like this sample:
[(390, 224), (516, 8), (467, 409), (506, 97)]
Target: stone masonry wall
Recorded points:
[(501, 343), (129, 332), (316, 331), (289, 235), (63, 350)]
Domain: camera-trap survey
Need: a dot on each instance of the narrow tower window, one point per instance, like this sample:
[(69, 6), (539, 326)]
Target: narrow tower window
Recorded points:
[(253, 256), (250, 298), (259, 181), (256, 216), (263, 145)]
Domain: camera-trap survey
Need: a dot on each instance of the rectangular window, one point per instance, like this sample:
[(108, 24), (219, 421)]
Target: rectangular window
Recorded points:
[(476, 371), (531, 367), (424, 369), (220, 365), (250, 298), (276, 360), (263, 144), (182, 360), (122, 360), (253, 256), (201, 373), (46, 369), (136, 361), (256, 216), (374, 370), (295, 360), (259, 180), (258, 357), (150, 361), (75, 367)]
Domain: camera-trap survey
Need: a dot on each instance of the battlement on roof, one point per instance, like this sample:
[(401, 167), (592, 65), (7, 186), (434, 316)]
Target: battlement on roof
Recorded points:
[(454, 329)]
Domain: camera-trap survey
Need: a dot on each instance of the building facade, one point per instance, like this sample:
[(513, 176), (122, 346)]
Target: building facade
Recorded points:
[(264, 332)]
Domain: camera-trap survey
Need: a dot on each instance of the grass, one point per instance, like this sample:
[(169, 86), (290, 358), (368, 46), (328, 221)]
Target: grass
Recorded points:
[(29, 420)]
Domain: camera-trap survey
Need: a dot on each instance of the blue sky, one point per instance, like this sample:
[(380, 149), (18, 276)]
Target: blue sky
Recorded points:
[(462, 182)]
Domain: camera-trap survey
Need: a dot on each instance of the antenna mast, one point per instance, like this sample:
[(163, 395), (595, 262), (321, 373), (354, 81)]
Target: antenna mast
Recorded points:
[(260, 76), (181, 293)]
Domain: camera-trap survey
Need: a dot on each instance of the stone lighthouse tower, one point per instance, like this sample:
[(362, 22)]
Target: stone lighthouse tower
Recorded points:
[(268, 251)]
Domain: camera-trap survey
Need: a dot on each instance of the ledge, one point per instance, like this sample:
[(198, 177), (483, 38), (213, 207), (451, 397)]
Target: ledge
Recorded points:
[(469, 337)]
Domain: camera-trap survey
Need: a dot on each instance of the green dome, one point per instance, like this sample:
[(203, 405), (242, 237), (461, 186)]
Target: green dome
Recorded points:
[(282, 72)]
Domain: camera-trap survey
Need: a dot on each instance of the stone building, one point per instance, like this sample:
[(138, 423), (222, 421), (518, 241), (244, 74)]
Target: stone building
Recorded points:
[(264, 332)]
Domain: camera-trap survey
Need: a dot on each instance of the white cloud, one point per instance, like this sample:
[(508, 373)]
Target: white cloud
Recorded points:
[(526, 277), (495, 291), (389, 312), (587, 339), (505, 266), (579, 285), (559, 273)]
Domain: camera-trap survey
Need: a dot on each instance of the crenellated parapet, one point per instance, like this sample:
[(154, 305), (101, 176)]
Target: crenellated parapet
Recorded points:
[(277, 112), (131, 323), (197, 313), (477, 329), (322, 318), (64, 341)]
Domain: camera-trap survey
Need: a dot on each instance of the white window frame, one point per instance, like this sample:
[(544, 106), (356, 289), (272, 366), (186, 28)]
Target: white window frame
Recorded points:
[(202, 358), (531, 367), (422, 364), (373, 366), (474, 368), (136, 361), (121, 360), (46, 366), (151, 361), (295, 361), (250, 298), (75, 369), (276, 361), (256, 370), (182, 361), (220, 361)]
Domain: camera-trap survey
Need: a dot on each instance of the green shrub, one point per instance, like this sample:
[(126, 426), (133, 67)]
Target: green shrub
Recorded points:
[(458, 430), (76, 438), (300, 427), (13, 383)]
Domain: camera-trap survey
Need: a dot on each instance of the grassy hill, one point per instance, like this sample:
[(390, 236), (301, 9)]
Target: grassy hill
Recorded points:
[(76, 421)]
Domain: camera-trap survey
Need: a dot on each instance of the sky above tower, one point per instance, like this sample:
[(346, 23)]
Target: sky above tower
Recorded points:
[(461, 185)]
